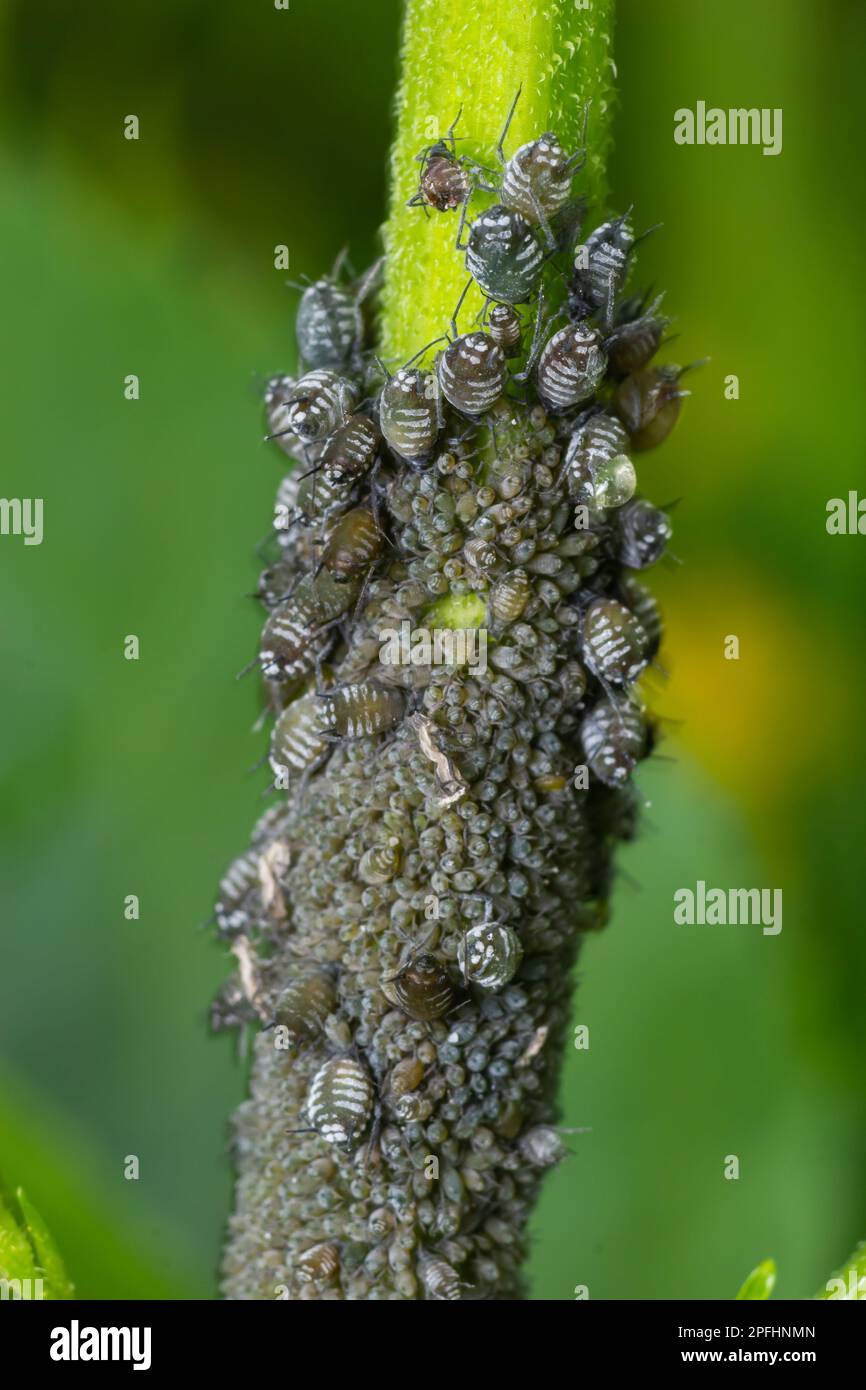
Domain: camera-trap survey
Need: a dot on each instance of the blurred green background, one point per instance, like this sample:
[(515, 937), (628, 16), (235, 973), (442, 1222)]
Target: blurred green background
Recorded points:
[(155, 257)]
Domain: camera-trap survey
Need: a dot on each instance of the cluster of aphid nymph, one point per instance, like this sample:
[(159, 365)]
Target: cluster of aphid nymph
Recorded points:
[(406, 917)]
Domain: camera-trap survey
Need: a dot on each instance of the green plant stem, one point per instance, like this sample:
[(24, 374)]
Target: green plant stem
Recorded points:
[(475, 57)]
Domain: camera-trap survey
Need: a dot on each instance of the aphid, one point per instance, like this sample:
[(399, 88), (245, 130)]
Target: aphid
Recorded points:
[(648, 403), (489, 954), (509, 596), (472, 373), (277, 400), (613, 643), (273, 865), (353, 545), (601, 269), (596, 439), (542, 1146), (328, 325), (644, 533), (410, 413), (340, 1101), (276, 582), (406, 1076), (240, 880), (635, 340), (645, 607), (449, 776), (230, 1008), (570, 368), (296, 742), (380, 863), (504, 255), (614, 740), (320, 1264), (302, 1007), (505, 328), (318, 403), (361, 710), (422, 988), (441, 1281), (351, 450), (291, 643), (536, 180), (444, 182), (321, 497)]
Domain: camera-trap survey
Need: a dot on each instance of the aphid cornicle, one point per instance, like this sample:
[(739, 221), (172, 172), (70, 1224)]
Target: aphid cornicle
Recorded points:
[(489, 954), (504, 255), (318, 403), (602, 271), (505, 328), (648, 403), (613, 643), (422, 988), (296, 742), (614, 738), (644, 533), (570, 368), (444, 182), (472, 373), (340, 1101), (353, 545), (360, 710), (409, 413), (302, 1007)]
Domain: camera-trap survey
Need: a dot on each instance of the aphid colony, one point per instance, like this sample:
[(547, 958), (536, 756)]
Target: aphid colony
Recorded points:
[(410, 907)]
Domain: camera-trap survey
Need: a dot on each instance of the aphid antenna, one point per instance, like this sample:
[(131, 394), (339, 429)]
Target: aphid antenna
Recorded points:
[(303, 284), (642, 236), (443, 338), (501, 141), (535, 346), (245, 670), (368, 279)]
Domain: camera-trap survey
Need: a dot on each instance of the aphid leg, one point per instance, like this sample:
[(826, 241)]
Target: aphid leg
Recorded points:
[(456, 313), (460, 244), (339, 263), (501, 141), (245, 670), (449, 134), (535, 346), (546, 230)]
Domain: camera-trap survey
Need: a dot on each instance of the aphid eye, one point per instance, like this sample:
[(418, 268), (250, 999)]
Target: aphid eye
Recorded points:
[(340, 1101), (613, 642), (490, 954)]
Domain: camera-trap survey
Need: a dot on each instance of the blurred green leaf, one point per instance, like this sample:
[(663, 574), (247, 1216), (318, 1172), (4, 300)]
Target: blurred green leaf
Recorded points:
[(760, 1283), (57, 1281)]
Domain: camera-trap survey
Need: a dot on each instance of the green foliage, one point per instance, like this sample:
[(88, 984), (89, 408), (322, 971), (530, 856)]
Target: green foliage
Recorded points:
[(28, 1252), (760, 1283)]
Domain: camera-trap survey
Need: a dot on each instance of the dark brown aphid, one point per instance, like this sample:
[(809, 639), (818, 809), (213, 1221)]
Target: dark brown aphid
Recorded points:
[(644, 533), (571, 366), (613, 643), (635, 340), (505, 328), (354, 544), (361, 710), (422, 989), (291, 643), (444, 182), (648, 403), (614, 738), (303, 1006), (472, 373)]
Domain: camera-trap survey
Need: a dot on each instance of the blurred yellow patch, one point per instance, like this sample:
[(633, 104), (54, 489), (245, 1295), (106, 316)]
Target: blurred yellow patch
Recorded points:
[(776, 712)]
